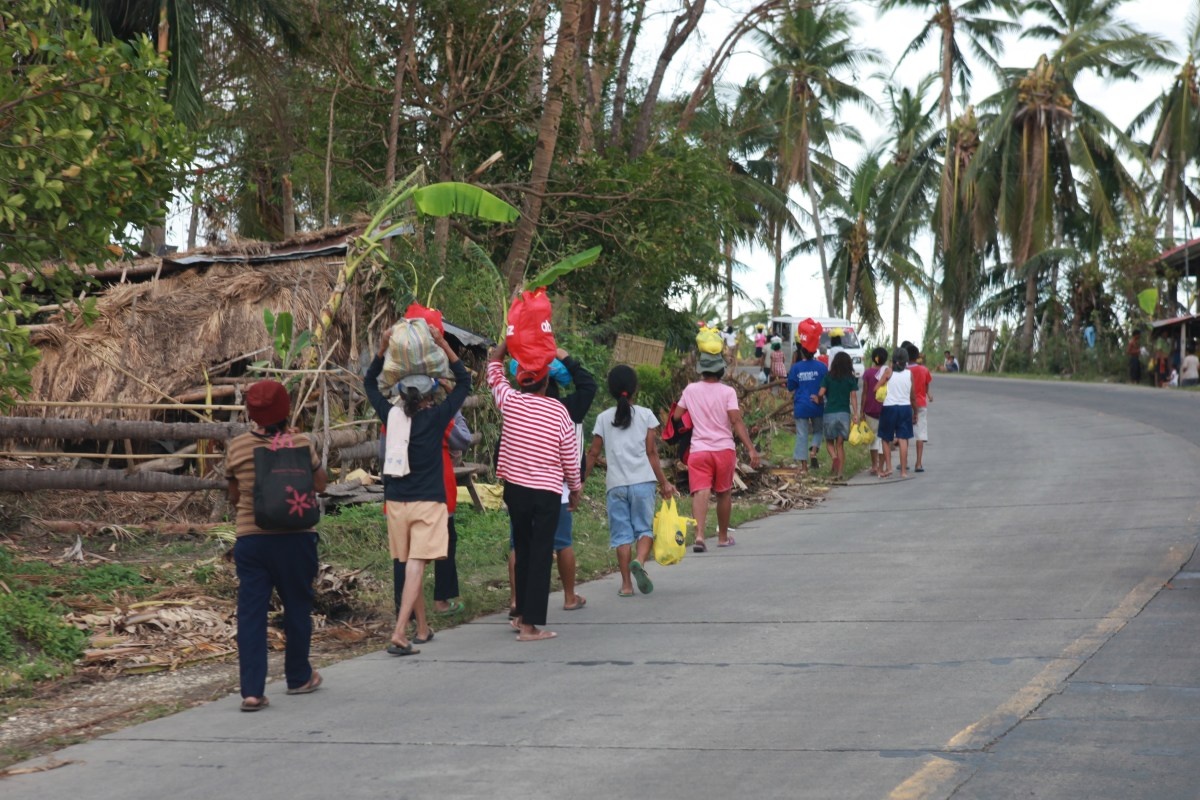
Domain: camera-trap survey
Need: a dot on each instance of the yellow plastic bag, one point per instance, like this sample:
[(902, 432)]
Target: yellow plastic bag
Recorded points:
[(709, 340), (855, 438), (881, 392), (670, 533), (865, 434)]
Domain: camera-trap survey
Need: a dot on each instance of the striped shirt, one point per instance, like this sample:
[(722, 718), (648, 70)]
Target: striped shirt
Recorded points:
[(538, 447)]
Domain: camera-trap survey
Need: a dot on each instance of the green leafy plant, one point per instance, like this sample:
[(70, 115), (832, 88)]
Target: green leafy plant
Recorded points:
[(287, 344)]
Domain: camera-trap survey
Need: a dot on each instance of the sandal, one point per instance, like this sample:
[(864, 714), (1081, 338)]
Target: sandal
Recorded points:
[(580, 602), (536, 636), (623, 593), (699, 546), (423, 639), (313, 684), (729, 542), (455, 607), (258, 704), (394, 649)]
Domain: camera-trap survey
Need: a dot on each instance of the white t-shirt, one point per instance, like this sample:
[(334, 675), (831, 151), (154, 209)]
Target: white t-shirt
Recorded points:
[(1191, 367), (730, 338), (899, 389), (625, 448)]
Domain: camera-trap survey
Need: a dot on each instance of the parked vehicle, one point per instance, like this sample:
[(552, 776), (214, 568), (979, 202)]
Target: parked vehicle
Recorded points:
[(785, 328)]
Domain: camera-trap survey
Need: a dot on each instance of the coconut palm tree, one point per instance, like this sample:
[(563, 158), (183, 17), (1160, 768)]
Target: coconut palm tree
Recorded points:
[(815, 71), (1057, 157), (1175, 141), (952, 23), (174, 25)]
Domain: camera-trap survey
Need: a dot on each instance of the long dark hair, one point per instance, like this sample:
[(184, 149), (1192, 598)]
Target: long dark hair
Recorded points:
[(879, 356), (622, 385), (842, 367)]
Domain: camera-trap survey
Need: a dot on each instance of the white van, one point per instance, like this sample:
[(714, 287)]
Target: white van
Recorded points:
[(785, 328)]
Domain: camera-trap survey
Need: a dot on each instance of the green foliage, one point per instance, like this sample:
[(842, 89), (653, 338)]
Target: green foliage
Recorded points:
[(444, 199), (104, 581), (564, 267), (35, 643), (655, 388), (285, 342), (89, 148)]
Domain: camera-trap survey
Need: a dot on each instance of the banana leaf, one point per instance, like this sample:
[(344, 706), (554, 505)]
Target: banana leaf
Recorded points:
[(567, 265), (1148, 300), (444, 199)]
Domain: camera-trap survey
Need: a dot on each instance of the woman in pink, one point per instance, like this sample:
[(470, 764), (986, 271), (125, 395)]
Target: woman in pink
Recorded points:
[(715, 415), (871, 407)]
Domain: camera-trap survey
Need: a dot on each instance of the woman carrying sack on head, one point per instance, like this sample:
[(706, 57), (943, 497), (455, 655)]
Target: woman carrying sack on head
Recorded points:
[(279, 558), (628, 435), (413, 480)]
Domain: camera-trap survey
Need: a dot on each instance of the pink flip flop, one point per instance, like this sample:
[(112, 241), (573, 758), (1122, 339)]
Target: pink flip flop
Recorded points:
[(730, 542)]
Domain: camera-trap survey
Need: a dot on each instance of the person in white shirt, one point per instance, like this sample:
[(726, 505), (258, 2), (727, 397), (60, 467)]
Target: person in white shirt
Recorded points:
[(1189, 371)]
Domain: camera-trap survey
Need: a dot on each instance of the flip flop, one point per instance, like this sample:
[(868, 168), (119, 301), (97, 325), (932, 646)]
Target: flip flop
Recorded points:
[(919, 469), (262, 702), (455, 607), (420, 640), (401, 650), (540, 636), (644, 584), (623, 594), (699, 547), (313, 684), (580, 602), (730, 542)]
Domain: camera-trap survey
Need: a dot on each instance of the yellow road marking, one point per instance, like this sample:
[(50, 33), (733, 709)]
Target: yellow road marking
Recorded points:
[(938, 771)]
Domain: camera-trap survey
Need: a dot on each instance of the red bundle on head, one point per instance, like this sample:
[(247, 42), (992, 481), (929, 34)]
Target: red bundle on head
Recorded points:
[(267, 402), (430, 315), (530, 337)]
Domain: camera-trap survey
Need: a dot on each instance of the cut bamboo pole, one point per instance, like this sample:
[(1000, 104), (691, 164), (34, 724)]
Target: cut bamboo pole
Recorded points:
[(159, 406), (31, 480)]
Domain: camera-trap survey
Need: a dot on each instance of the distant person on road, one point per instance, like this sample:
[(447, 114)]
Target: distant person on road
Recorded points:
[(922, 397), (716, 419), (1189, 371), (804, 382), (760, 341), (628, 435), (778, 369), (950, 364), (839, 394), (871, 406), (730, 337), (1133, 354), (896, 421), (283, 561)]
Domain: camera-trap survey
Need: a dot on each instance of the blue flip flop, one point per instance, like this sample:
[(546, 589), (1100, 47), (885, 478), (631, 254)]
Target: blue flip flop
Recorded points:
[(644, 584)]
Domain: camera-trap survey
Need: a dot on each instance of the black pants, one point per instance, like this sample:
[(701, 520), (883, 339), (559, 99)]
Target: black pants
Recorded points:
[(534, 515), (445, 572), (1135, 369)]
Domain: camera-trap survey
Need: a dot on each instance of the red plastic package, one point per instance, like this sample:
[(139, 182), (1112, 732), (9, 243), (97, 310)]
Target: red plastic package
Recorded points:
[(530, 337), (808, 334), (430, 315)]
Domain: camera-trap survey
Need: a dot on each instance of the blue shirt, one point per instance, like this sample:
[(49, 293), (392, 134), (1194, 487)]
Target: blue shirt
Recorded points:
[(804, 380)]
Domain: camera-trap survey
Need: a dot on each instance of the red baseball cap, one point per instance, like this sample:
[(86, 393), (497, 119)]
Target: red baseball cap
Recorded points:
[(267, 402)]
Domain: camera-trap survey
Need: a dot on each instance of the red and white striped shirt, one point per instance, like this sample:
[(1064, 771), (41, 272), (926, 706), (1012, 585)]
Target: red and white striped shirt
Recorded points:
[(538, 446)]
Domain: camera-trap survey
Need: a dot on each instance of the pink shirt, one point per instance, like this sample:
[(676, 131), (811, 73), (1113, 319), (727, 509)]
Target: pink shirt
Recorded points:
[(709, 403), (921, 378)]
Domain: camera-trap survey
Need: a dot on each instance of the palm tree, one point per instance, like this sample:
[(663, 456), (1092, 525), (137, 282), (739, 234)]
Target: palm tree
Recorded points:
[(856, 234), (1175, 142), (1054, 153), (815, 70), (910, 182), (952, 23), (174, 24)]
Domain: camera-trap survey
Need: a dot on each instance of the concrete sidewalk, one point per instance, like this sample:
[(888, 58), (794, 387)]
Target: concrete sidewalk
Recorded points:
[(994, 626)]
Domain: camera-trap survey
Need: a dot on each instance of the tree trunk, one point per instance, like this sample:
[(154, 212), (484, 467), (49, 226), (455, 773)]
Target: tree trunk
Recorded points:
[(681, 28), (728, 280), (581, 84), (816, 218), (622, 82), (777, 287), (289, 209), (543, 157), (537, 53), (896, 314), (100, 480), (329, 154), (1032, 187), (194, 214), (947, 59), (34, 428), (959, 322), (403, 56)]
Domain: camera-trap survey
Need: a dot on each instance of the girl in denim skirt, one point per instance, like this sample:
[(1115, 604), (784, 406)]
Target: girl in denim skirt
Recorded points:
[(628, 436)]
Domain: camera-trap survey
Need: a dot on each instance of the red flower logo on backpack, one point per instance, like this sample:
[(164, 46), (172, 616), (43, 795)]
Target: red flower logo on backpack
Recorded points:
[(299, 503), (281, 440)]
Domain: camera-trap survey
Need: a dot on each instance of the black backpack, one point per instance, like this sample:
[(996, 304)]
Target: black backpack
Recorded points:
[(285, 496)]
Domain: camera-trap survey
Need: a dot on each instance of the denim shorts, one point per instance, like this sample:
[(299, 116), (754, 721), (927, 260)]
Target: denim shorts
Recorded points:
[(562, 534), (630, 513), (836, 425)]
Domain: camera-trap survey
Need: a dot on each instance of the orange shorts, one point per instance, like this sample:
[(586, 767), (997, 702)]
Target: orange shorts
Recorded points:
[(418, 530), (711, 469)]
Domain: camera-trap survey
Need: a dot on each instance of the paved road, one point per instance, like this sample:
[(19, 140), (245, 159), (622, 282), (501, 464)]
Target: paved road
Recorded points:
[(997, 627)]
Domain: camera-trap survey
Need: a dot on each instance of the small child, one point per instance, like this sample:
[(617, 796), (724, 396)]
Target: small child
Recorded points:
[(871, 407), (627, 435)]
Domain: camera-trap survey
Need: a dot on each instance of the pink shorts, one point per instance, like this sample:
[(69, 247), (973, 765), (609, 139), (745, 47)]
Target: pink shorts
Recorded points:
[(711, 469)]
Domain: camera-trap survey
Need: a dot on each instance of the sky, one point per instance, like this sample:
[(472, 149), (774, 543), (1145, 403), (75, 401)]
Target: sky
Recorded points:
[(891, 34)]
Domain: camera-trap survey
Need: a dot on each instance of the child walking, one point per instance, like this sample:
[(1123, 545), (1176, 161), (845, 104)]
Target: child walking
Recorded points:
[(804, 382), (896, 421), (872, 407), (628, 436), (839, 393)]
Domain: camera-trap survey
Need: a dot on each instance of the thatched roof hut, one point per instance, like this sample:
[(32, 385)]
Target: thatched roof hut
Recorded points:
[(161, 327)]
